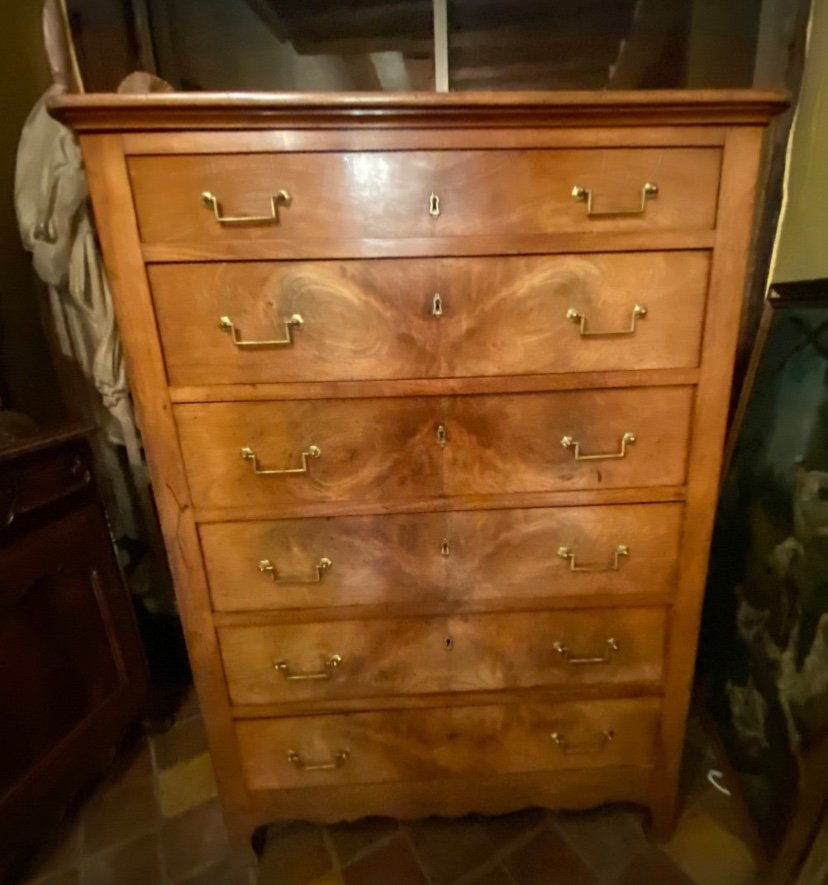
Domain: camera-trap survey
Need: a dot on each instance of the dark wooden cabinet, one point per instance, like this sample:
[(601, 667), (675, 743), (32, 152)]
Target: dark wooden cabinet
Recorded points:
[(72, 670)]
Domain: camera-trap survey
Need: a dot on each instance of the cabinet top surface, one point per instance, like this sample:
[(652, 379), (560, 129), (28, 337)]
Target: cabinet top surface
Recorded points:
[(108, 112)]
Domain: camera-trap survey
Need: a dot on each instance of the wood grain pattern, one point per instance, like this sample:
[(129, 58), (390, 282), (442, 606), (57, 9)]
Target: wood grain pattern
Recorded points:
[(386, 194), (425, 560), (427, 744), (375, 319), (391, 657), (503, 166), (388, 448)]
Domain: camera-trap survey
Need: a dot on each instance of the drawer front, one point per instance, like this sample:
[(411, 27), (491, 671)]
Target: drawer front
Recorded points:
[(418, 745), (381, 194), (36, 480), (389, 657), (433, 557), (253, 322), (401, 449)]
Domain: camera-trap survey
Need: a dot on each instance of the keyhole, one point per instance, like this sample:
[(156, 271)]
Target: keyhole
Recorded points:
[(437, 305), (448, 643), (442, 436), (434, 206), (444, 548)]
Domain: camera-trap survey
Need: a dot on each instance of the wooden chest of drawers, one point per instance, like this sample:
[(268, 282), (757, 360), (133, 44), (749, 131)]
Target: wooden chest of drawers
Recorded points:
[(433, 390)]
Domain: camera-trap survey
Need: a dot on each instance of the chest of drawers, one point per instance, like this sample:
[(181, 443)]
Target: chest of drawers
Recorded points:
[(433, 391)]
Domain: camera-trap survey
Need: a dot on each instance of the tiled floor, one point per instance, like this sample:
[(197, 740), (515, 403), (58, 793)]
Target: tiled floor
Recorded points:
[(156, 821)]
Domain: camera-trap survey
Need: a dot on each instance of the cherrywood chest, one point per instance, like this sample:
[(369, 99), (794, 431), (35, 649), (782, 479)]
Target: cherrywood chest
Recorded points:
[(433, 390)]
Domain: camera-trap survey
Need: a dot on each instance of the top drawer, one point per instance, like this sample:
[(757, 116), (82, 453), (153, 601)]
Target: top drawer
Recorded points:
[(423, 194)]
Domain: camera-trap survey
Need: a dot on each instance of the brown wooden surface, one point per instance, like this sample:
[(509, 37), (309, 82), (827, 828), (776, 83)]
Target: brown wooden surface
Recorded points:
[(386, 194), (503, 450), (388, 448), (433, 558), (498, 316), (122, 113), (74, 675), (386, 658), (423, 745)]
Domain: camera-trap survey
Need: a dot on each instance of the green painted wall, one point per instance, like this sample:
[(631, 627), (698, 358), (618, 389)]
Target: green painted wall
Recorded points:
[(802, 246), (27, 379)]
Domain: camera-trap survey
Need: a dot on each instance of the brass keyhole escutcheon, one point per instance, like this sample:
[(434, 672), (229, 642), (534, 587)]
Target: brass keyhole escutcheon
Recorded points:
[(434, 205), (448, 643), (445, 549), (442, 435), (437, 305)]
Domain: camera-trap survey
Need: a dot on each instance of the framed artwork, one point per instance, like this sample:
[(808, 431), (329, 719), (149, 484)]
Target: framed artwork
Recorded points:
[(764, 647)]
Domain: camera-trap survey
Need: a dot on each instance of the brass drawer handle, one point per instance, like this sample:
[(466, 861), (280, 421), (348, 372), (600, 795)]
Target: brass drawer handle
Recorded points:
[(584, 195), (626, 440), (638, 313), (310, 452), (328, 666), (568, 749), (267, 567), (339, 759), (564, 651), (227, 325), (620, 550), (280, 198)]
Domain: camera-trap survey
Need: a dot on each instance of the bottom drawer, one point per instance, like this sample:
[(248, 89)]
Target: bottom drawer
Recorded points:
[(417, 745)]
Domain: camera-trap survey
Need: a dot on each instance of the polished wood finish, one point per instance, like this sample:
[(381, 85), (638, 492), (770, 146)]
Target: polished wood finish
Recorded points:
[(468, 558), (463, 653), (74, 676), (389, 448), (497, 316), (502, 371), (422, 745), (386, 194)]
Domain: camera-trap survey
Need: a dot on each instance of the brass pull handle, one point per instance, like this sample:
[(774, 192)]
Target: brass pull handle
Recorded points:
[(434, 205), (568, 749), (620, 550), (437, 305), (267, 567), (584, 195), (328, 666), (339, 759), (280, 198), (564, 651), (227, 325), (638, 313), (310, 452), (626, 440)]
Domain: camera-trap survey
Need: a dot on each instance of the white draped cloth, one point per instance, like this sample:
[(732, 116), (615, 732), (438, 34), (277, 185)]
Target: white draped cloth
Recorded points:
[(52, 202)]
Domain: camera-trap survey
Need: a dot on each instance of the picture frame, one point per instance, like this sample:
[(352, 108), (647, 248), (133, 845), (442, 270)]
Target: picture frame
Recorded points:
[(764, 645)]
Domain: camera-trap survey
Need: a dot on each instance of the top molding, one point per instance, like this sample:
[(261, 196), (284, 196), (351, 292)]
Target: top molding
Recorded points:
[(109, 112)]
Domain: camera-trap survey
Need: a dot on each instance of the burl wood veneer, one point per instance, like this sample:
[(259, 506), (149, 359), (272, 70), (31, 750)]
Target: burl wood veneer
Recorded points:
[(433, 390)]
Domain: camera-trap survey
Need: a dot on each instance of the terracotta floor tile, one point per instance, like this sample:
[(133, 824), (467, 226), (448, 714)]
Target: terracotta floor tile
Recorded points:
[(132, 765), (119, 814), (351, 839), (182, 742), (193, 840), (496, 876), (186, 785), (708, 853), (393, 862), (548, 860), (294, 855), (651, 867), (61, 851), (233, 869), (134, 863), (450, 847), (66, 877), (606, 838)]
